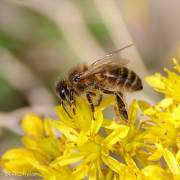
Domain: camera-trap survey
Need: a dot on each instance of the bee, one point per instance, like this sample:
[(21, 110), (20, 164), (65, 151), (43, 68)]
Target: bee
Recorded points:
[(106, 76)]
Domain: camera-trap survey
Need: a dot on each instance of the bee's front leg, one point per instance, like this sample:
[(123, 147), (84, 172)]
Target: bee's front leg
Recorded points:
[(64, 107), (73, 108)]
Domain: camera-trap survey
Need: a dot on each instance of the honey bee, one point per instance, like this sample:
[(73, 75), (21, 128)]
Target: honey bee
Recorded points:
[(108, 75)]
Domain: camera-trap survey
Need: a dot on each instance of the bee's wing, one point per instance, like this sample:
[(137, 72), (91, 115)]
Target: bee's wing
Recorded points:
[(112, 57), (99, 65), (109, 59)]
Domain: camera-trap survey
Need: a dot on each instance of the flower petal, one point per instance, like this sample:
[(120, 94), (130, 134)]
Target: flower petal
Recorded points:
[(133, 112), (106, 102), (172, 163), (154, 172), (143, 105), (92, 172), (18, 162), (165, 103), (116, 135), (63, 116), (69, 132), (67, 160), (33, 126), (177, 66), (113, 163), (156, 81), (110, 124), (157, 153), (96, 124)]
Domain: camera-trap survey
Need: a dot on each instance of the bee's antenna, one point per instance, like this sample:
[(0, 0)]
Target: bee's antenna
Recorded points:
[(112, 53), (119, 50)]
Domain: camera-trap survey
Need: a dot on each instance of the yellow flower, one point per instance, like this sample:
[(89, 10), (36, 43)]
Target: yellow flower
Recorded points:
[(89, 148), (170, 85), (42, 146), (163, 121), (177, 66), (78, 146)]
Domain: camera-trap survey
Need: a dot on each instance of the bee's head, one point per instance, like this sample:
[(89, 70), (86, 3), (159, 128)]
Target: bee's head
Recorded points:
[(64, 92)]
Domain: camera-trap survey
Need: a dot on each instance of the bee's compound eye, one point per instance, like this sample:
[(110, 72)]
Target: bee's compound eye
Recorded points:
[(62, 93)]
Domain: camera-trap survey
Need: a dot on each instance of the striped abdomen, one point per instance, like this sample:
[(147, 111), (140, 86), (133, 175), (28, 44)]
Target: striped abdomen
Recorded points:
[(120, 78)]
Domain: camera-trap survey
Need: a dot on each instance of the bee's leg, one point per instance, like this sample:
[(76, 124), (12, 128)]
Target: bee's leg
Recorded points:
[(107, 91), (73, 108), (121, 107), (88, 96), (66, 110), (73, 103), (96, 98), (99, 99)]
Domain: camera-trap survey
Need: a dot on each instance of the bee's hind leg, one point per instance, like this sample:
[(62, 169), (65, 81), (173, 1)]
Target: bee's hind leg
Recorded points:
[(120, 108)]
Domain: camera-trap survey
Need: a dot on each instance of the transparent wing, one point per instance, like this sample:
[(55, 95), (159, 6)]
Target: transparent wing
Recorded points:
[(99, 66), (111, 59)]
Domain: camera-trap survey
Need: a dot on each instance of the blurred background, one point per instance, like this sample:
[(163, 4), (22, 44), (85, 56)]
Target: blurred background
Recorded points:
[(40, 40)]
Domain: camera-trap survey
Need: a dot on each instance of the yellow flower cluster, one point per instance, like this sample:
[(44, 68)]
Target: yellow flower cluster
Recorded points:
[(146, 148)]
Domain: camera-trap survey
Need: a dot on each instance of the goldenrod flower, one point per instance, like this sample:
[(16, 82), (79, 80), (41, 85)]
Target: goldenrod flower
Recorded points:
[(89, 148), (169, 85), (79, 146)]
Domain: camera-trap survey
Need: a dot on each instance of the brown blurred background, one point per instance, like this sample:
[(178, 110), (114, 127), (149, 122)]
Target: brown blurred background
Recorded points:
[(40, 40)]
